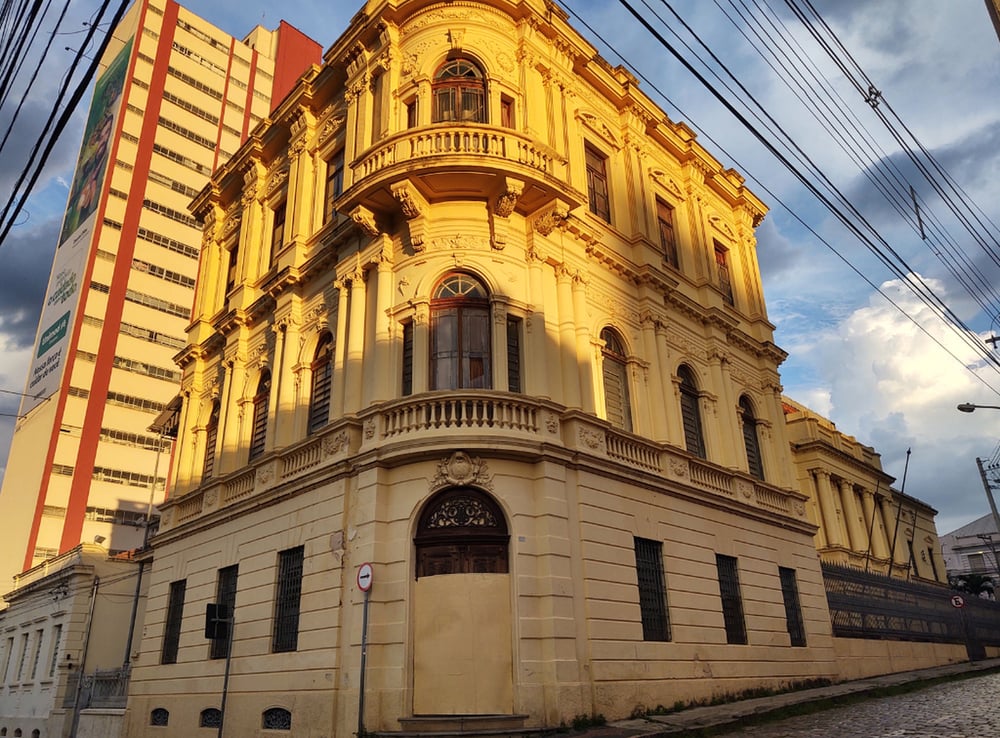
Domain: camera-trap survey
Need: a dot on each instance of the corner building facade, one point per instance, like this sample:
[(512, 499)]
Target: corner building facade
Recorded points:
[(473, 310)]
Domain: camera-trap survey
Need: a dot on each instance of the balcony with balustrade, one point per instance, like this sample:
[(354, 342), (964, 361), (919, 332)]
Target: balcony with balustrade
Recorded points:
[(434, 424)]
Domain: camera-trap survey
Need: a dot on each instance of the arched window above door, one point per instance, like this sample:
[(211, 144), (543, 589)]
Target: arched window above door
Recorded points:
[(461, 531), (459, 92), (322, 376), (694, 439)]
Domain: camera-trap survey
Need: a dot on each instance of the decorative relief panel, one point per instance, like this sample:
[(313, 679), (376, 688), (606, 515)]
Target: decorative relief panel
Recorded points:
[(461, 469)]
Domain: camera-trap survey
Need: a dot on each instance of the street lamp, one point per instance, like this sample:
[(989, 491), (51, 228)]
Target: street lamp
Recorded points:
[(968, 407)]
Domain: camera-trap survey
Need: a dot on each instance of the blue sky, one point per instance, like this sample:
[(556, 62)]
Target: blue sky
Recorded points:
[(853, 356)]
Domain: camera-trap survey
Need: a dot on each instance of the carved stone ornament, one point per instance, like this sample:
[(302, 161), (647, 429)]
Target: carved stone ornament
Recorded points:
[(679, 467), (249, 195), (277, 179), (721, 225), (552, 424), (461, 469), (369, 429), (335, 444), (210, 498), (551, 219), (232, 223), (745, 488), (409, 201), (458, 242), (166, 517), (667, 182), (265, 474), (597, 125), (507, 199), (331, 127), (365, 219), (800, 508), (590, 438)]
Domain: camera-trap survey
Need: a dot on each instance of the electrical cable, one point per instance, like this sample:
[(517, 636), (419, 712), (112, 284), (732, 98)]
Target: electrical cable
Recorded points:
[(787, 207)]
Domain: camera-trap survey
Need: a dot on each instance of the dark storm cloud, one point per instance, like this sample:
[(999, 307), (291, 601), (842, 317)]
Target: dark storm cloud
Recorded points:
[(25, 261)]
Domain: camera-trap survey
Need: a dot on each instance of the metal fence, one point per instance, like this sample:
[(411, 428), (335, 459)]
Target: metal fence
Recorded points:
[(868, 605), (102, 688)]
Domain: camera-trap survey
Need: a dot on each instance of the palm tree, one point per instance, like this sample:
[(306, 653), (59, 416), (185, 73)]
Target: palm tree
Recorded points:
[(974, 584)]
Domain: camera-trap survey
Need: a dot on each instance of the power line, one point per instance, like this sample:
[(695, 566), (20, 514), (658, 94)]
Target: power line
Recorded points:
[(905, 277)]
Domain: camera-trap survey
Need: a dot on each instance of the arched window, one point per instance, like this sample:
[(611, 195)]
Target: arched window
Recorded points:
[(459, 93), (258, 434), (322, 375), (460, 334), (159, 717), (211, 717), (211, 440), (277, 718), (694, 440), (461, 531), (750, 439), (616, 396)]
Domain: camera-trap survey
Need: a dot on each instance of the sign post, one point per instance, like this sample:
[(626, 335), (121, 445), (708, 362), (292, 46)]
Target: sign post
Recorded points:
[(219, 623), (365, 585)]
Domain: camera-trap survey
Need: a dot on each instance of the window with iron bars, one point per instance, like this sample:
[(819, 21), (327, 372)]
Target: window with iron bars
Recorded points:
[(652, 590), (289, 592), (732, 600), (793, 609)]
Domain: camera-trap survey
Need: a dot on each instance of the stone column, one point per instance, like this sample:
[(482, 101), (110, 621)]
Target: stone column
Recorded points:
[(588, 383), (569, 356), (655, 409), (730, 450), (340, 353), (879, 545), (354, 369), (385, 380), (828, 508), (852, 516)]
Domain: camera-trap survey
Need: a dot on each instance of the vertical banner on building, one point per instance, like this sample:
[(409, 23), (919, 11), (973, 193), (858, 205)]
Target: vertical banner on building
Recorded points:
[(62, 297)]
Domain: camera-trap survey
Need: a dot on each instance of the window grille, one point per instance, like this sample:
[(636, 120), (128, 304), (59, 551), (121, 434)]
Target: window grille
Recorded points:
[(172, 627), (691, 414), (334, 184), (277, 230), (722, 268), (211, 441), (407, 388), (652, 590), (751, 441), (159, 717), (732, 600), (211, 717), (289, 592), (617, 402), (597, 184), (665, 219), (793, 609), (322, 378), (514, 354), (258, 435), (225, 597), (56, 640), (277, 718)]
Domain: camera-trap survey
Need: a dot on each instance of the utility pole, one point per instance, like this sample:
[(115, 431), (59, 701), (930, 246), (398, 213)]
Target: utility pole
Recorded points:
[(993, 505)]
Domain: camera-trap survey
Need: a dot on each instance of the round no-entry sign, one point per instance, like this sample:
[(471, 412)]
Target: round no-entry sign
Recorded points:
[(365, 577), (958, 601)]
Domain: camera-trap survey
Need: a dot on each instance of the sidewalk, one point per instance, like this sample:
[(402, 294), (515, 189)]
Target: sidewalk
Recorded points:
[(676, 724)]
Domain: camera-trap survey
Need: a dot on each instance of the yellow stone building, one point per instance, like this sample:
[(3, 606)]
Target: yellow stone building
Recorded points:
[(858, 514), (473, 310)]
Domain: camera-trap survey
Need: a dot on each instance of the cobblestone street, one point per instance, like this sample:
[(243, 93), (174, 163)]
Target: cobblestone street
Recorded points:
[(966, 708)]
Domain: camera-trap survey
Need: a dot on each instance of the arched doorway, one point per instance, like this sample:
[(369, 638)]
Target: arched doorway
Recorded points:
[(462, 661)]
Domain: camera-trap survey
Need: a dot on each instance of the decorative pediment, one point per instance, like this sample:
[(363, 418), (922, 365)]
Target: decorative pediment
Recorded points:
[(664, 180), (722, 226), (595, 124)]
